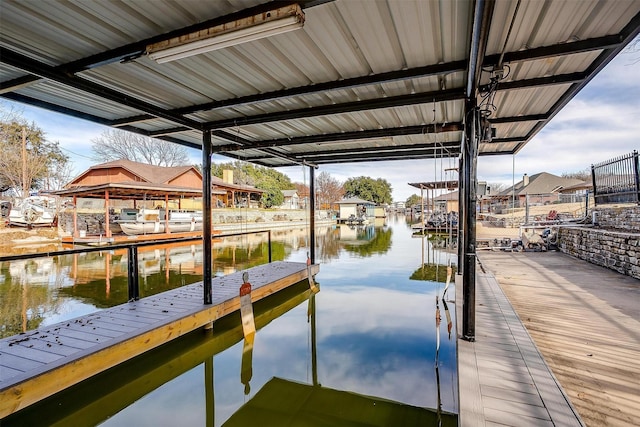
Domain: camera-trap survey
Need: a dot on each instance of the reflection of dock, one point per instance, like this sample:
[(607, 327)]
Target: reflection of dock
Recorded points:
[(40, 363), (123, 238)]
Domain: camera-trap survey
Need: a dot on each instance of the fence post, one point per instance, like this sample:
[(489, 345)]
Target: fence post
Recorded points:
[(593, 181), (132, 273), (636, 168)]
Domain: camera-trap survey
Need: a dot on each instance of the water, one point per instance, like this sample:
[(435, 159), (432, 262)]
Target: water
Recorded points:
[(367, 348)]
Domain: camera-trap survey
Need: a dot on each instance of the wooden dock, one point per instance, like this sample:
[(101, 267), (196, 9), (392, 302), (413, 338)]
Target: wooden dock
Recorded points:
[(504, 380), (585, 320), (40, 363)]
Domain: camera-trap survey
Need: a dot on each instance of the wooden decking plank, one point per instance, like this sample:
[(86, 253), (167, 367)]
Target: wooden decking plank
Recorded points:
[(50, 346), (82, 335), (69, 342), (7, 372), (517, 409), (140, 317), (135, 314), (530, 397), (506, 418), (17, 363), (28, 350), (115, 323)]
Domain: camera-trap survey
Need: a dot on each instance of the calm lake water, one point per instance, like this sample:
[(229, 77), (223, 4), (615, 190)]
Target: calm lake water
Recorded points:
[(367, 348)]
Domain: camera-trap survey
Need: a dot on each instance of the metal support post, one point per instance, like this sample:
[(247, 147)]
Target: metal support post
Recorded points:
[(312, 215), (470, 189), (461, 213), (132, 279), (206, 217)]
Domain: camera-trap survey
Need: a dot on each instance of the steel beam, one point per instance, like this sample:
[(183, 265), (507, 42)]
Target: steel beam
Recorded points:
[(347, 107), (537, 82), (561, 49), (349, 136), (41, 69)]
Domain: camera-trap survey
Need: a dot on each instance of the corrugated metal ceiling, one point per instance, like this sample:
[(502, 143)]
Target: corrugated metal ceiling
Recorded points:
[(362, 81)]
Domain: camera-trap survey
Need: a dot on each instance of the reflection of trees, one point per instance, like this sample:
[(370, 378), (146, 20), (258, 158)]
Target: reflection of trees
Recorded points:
[(431, 272), (380, 243), (328, 245), (25, 300)]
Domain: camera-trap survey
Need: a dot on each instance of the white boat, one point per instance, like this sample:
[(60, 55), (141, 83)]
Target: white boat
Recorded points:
[(152, 221), (34, 211)]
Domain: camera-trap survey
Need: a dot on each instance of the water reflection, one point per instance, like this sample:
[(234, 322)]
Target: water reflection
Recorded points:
[(39, 292), (367, 337)]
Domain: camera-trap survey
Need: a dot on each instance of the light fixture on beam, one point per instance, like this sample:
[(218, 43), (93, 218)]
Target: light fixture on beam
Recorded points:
[(266, 24)]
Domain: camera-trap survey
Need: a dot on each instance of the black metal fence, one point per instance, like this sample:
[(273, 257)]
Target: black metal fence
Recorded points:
[(617, 180)]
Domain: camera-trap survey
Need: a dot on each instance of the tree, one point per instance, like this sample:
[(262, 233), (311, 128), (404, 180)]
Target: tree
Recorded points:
[(272, 197), (328, 189), (116, 144), (413, 199), (377, 191), (27, 158), (258, 176), (584, 175)]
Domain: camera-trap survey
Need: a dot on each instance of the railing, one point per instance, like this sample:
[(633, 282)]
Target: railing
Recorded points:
[(617, 180), (132, 255)]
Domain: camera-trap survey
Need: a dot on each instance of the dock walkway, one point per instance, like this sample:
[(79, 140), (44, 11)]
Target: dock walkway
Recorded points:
[(585, 321), (504, 380), (42, 362)]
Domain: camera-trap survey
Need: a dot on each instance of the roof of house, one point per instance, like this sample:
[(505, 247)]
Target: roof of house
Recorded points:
[(584, 185), (290, 193), (219, 182), (448, 196), (148, 173), (354, 201), (540, 183)]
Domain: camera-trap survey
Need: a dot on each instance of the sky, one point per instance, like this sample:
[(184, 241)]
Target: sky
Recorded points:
[(601, 122)]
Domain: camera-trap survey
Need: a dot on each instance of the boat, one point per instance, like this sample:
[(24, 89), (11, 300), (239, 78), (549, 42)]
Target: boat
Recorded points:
[(34, 211), (357, 220), (134, 222)]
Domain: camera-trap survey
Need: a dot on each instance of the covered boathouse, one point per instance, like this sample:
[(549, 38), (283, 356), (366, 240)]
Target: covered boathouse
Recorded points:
[(329, 82)]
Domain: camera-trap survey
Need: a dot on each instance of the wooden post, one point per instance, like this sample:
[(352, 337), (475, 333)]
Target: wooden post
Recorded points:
[(75, 216), (107, 227), (166, 214)]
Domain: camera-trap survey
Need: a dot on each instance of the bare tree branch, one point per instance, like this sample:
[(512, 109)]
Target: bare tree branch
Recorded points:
[(115, 144)]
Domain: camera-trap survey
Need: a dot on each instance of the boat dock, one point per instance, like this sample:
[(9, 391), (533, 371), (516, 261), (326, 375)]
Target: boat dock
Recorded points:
[(40, 363), (557, 343)]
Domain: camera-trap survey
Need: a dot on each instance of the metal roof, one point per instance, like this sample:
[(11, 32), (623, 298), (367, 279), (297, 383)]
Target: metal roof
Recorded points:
[(361, 81)]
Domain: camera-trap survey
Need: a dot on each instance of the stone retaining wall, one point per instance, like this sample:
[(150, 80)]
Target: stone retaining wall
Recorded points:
[(621, 218), (616, 250)]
